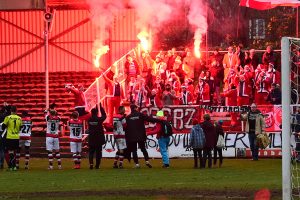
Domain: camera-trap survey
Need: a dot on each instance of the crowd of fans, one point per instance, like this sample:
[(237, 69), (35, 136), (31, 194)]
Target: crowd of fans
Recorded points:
[(178, 78)]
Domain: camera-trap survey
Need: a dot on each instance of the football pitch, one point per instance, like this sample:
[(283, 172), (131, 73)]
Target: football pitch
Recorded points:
[(236, 179)]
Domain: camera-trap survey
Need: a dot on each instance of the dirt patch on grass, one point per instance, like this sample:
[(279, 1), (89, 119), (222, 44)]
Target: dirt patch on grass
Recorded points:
[(182, 193)]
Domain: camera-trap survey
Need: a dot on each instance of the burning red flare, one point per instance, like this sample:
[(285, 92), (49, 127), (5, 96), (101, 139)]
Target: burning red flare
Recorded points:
[(98, 53), (143, 36)]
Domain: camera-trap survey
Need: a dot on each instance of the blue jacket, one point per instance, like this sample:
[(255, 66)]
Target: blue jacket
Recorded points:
[(197, 137)]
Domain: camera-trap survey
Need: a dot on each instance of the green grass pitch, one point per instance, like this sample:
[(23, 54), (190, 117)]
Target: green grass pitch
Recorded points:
[(237, 178)]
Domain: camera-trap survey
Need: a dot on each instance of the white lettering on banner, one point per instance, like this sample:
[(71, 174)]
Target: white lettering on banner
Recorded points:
[(178, 146), (190, 112), (181, 115), (241, 140), (226, 108), (178, 118)]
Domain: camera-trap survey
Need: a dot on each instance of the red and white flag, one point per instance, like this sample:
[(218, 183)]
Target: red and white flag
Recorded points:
[(268, 4)]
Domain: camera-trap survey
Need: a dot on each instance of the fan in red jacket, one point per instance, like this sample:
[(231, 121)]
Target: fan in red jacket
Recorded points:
[(190, 85), (79, 98), (140, 93), (249, 70), (131, 68), (114, 95), (155, 98), (262, 91), (186, 97), (202, 93), (230, 78), (130, 91), (243, 83), (175, 83), (272, 75), (231, 96)]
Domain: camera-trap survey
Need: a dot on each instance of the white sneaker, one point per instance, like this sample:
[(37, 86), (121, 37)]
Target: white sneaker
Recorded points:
[(59, 167), (50, 167)]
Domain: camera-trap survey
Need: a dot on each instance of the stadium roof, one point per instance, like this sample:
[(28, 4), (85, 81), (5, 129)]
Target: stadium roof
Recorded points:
[(75, 4), (68, 4)]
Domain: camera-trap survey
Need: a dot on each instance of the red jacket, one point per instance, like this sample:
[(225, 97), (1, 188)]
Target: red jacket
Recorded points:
[(186, 98), (190, 88), (262, 85), (131, 69), (203, 93), (79, 97), (273, 77), (244, 87), (154, 101), (112, 86), (232, 97)]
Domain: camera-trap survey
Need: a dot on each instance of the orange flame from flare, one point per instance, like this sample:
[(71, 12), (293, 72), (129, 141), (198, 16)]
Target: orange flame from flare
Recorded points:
[(143, 36), (197, 43), (197, 49), (99, 52)]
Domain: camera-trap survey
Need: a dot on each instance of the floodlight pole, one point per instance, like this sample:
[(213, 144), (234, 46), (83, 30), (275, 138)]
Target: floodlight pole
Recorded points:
[(297, 22), (46, 40), (286, 135)]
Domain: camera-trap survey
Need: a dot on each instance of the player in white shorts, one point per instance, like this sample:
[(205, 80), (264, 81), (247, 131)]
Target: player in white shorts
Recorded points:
[(25, 139), (52, 138), (119, 123), (76, 130)]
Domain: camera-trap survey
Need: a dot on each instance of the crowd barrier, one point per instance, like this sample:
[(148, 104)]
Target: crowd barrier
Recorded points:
[(236, 143)]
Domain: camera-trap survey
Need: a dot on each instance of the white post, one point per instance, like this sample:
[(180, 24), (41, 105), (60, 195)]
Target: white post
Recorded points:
[(297, 21), (46, 38), (98, 91), (286, 135)]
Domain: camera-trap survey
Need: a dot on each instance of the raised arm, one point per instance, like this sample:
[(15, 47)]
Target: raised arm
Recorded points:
[(103, 113), (107, 79)]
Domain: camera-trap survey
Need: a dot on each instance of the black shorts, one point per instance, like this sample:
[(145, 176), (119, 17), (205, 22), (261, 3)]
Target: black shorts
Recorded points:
[(12, 144)]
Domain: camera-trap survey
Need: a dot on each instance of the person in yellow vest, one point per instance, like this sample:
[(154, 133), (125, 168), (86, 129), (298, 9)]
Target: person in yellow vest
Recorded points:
[(13, 124)]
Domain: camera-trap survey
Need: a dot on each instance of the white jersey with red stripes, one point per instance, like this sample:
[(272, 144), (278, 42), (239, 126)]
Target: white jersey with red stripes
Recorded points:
[(25, 131), (76, 130), (119, 122), (52, 126)]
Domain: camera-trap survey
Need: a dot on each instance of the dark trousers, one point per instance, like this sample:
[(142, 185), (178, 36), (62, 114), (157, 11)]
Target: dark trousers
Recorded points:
[(218, 151), (253, 147), (98, 151), (207, 156), (197, 154), (133, 148), (2, 149)]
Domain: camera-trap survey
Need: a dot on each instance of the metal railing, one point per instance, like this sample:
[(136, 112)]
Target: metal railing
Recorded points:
[(96, 92)]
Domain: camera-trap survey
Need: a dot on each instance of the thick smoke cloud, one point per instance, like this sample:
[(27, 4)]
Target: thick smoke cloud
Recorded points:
[(151, 15), (198, 19), (103, 12)]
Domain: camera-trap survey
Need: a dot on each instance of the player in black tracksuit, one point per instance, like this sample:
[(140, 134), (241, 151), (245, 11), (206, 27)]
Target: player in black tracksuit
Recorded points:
[(96, 136), (135, 133)]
